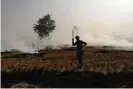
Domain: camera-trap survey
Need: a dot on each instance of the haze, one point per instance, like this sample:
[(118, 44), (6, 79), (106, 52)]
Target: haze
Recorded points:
[(100, 22)]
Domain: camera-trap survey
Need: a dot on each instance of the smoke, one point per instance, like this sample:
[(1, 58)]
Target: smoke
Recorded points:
[(29, 42), (104, 23)]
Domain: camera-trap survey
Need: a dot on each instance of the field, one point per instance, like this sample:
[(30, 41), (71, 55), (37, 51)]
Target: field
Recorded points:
[(57, 68)]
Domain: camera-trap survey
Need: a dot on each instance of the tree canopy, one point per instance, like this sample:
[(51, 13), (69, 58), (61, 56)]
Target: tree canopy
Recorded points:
[(44, 26)]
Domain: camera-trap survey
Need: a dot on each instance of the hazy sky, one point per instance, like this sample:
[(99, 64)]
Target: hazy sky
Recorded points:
[(100, 22)]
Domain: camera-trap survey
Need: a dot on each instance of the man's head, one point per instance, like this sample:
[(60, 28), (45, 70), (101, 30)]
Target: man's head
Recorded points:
[(77, 37)]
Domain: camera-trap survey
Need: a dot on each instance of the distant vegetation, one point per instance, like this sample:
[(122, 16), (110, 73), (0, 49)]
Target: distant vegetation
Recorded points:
[(44, 26)]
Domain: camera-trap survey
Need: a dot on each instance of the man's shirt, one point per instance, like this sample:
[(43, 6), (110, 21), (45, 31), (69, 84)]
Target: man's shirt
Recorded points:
[(79, 45)]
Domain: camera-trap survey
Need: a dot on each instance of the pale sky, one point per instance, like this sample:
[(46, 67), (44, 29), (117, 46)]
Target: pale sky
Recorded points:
[(100, 22)]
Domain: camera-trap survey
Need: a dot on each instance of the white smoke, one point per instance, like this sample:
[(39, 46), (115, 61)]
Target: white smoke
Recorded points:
[(29, 42), (100, 23)]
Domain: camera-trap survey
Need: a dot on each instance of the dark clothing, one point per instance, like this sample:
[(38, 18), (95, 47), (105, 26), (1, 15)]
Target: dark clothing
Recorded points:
[(79, 44), (79, 50), (79, 56)]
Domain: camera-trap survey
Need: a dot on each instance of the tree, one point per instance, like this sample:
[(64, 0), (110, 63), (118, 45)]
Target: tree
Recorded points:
[(44, 26)]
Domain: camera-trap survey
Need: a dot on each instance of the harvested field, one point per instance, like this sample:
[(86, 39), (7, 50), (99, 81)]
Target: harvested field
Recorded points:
[(102, 68)]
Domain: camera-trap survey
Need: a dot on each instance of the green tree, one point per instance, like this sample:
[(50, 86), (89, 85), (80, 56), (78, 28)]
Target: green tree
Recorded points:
[(44, 26)]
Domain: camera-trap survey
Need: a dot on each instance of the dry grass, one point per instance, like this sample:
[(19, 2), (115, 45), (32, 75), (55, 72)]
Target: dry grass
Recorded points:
[(24, 85), (105, 62), (93, 61)]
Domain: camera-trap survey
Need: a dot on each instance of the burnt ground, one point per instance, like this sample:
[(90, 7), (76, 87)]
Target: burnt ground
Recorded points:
[(66, 79)]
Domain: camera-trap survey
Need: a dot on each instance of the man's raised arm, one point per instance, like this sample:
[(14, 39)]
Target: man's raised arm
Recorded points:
[(73, 42)]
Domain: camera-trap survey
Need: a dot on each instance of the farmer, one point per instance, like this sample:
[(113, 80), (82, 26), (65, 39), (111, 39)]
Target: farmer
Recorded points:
[(79, 49)]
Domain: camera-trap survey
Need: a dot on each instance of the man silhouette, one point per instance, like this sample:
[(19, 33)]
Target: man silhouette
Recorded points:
[(79, 49)]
